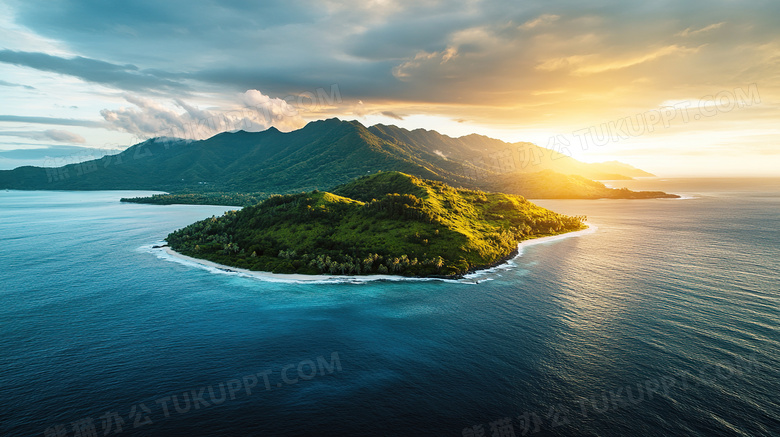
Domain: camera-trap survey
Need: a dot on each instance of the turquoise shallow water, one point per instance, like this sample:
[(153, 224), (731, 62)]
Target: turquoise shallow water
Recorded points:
[(662, 322)]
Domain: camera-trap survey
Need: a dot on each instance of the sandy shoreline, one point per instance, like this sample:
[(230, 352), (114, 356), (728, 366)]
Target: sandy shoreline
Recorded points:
[(165, 252), (508, 264), (280, 277)]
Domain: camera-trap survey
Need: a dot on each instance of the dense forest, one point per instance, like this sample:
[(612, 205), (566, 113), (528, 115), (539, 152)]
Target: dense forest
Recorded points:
[(202, 198), (386, 223)]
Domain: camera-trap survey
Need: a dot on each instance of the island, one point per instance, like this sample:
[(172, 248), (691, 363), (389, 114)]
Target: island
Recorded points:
[(388, 223)]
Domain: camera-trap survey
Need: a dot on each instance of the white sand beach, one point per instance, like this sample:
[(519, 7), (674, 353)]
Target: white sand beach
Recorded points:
[(165, 252)]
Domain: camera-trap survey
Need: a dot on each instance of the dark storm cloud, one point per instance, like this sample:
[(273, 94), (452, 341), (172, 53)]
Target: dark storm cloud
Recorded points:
[(127, 77)]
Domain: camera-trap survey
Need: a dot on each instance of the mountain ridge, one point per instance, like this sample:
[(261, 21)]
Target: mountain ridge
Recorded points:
[(321, 155)]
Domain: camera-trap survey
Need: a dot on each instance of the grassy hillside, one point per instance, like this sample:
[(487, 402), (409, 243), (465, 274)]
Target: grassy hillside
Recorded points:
[(387, 223)]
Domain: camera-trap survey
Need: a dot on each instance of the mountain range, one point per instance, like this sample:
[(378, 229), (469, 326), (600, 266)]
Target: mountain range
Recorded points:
[(327, 153)]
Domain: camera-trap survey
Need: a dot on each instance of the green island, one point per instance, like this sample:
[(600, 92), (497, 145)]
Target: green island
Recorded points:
[(384, 223)]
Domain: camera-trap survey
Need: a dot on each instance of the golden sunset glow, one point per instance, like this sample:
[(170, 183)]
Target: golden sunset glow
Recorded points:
[(542, 72)]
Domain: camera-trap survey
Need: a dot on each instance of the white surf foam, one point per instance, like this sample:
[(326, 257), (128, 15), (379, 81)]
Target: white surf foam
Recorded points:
[(161, 251), (168, 254), (478, 275)]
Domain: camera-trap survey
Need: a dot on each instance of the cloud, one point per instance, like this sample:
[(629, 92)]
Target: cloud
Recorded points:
[(271, 109), (449, 53), (52, 152), (590, 64), (453, 58), (359, 109), (9, 84), (253, 112), (127, 77), (384, 50), (51, 120), (50, 134), (405, 69), (392, 114), (541, 20), (690, 32), (64, 136), (50, 155)]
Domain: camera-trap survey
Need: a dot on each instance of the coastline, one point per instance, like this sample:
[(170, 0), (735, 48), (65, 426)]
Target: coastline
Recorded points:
[(509, 263), (165, 252), (274, 277)]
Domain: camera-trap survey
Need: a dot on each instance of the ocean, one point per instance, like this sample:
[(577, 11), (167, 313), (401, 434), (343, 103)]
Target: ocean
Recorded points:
[(664, 320)]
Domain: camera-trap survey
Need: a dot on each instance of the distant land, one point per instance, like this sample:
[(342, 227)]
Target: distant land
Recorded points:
[(243, 168), (385, 223)]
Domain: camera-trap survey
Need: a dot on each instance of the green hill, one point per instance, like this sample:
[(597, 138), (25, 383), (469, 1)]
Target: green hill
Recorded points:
[(386, 223), (320, 155)]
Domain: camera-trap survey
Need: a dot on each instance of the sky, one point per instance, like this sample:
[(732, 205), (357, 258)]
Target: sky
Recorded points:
[(675, 88)]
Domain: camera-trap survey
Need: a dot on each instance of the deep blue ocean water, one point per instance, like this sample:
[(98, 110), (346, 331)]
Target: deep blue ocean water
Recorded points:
[(665, 321)]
